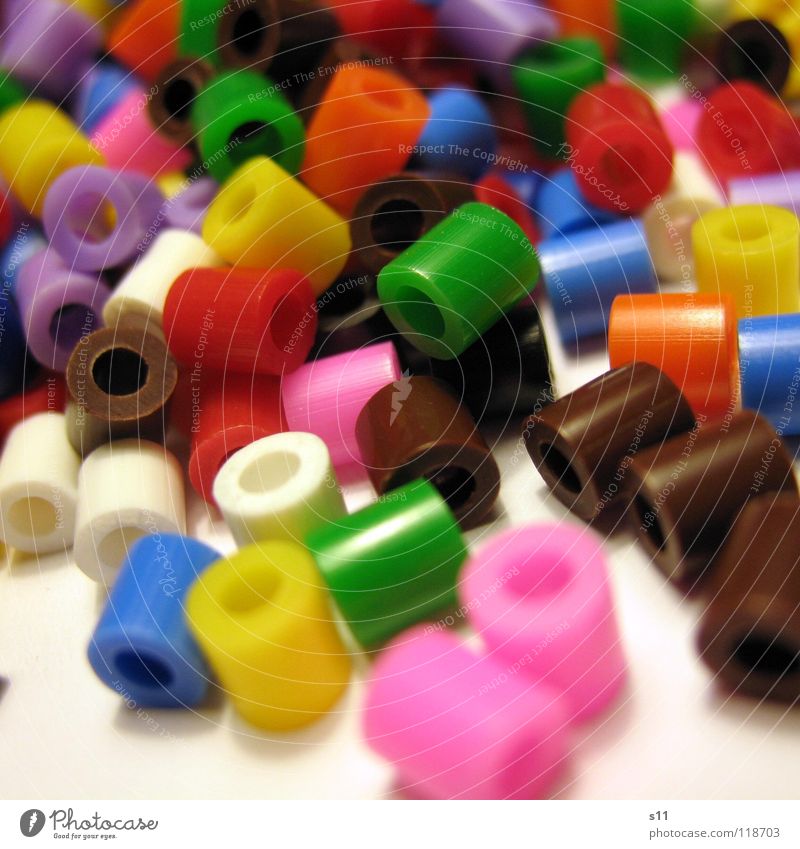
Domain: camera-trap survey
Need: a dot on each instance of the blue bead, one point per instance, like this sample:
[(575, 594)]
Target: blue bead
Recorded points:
[(13, 348), (525, 183), (459, 137), (21, 246), (562, 209), (584, 271), (769, 362), (142, 647), (101, 89)]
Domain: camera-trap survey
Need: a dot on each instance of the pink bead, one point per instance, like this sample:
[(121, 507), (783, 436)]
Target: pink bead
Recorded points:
[(325, 396), (540, 598), (129, 142), (459, 726), (680, 124)]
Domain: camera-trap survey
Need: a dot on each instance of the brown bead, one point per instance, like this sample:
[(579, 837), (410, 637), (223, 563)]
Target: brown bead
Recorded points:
[(249, 34), (750, 631), (396, 212), (686, 494), (307, 30), (415, 428), (175, 89), (583, 443), (120, 380)]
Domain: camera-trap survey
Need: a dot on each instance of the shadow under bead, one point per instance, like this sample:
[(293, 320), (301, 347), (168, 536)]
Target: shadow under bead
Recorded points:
[(120, 381), (750, 631), (416, 428)]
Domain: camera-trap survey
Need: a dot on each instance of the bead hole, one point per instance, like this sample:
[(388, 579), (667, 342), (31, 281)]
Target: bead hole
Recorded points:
[(33, 517), (420, 312), (178, 98), (253, 138), (114, 547), (768, 656), (649, 522), (455, 485), (119, 371), (560, 467), (270, 472), (248, 33), (753, 60), (747, 231), (542, 576), (244, 595), (396, 225), (143, 670), (92, 218), (69, 324)]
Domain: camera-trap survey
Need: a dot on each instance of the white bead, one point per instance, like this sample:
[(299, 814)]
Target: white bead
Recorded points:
[(38, 485), (143, 291), (279, 487), (126, 489)]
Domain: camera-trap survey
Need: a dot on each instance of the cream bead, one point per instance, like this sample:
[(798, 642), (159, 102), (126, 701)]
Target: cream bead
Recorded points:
[(126, 489), (38, 486), (279, 487)]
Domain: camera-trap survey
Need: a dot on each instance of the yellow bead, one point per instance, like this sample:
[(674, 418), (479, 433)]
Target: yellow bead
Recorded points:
[(263, 621), (264, 217), (102, 11), (172, 183), (38, 142), (753, 252)]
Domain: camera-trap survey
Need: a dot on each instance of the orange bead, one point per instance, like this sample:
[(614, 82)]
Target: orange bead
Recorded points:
[(145, 38), (594, 18), (692, 338), (364, 129)]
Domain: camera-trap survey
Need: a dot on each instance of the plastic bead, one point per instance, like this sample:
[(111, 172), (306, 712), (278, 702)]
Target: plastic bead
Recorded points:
[(779, 189), (58, 306), (768, 365), (396, 212), (342, 160), (495, 190), (618, 148), (749, 635), (307, 29), (459, 137), (45, 394), (682, 520), (99, 90), (241, 114), (584, 272), (176, 91), (126, 490), (654, 34), (26, 242), (459, 726), (120, 380), (553, 590), (79, 205), (49, 46), (244, 319), (263, 217), (280, 487), (264, 623), (40, 142), (142, 292), (494, 32), (242, 35), (680, 121), (187, 209), (668, 222), (765, 132), (691, 337), (145, 36), (142, 648), (787, 24), (595, 18), (12, 92), (13, 350), (391, 564), (458, 280), (562, 209), (547, 80), (753, 253), (228, 412), (325, 396), (754, 50), (130, 142), (38, 486), (506, 372), (415, 428), (582, 444)]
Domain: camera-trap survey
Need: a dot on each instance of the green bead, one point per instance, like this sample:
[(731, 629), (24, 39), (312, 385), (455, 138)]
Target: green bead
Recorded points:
[(393, 563), (653, 35), (549, 78), (11, 92), (241, 114), (458, 280), (198, 29)]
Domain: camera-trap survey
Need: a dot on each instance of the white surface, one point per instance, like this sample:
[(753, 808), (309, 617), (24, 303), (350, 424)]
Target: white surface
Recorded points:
[(64, 735)]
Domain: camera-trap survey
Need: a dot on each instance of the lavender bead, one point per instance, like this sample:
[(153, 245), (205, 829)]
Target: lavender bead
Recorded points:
[(187, 210), (58, 306), (495, 32), (780, 189), (75, 212)]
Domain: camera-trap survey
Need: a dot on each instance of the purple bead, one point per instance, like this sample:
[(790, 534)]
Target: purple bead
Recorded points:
[(495, 32), (48, 45), (187, 210), (77, 210), (781, 189), (58, 306)]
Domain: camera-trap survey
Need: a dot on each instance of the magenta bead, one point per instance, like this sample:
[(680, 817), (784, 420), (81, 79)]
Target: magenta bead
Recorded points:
[(187, 210), (325, 396), (458, 726), (58, 306), (540, 598), (680, 124), (129, 141), (48, 45), (77, 203)]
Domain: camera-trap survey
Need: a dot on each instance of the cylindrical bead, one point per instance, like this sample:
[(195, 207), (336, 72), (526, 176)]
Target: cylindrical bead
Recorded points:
[(145, 36), (561, 208), (99, 90), (174, 96), (781, 188), (654, 35)]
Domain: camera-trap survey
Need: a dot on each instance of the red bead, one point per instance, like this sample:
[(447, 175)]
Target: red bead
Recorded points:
[(618, 148), (6, 217), (228, 411), (241, 319), (500, 194), (46, 395), (392, 27), (743, 130)]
